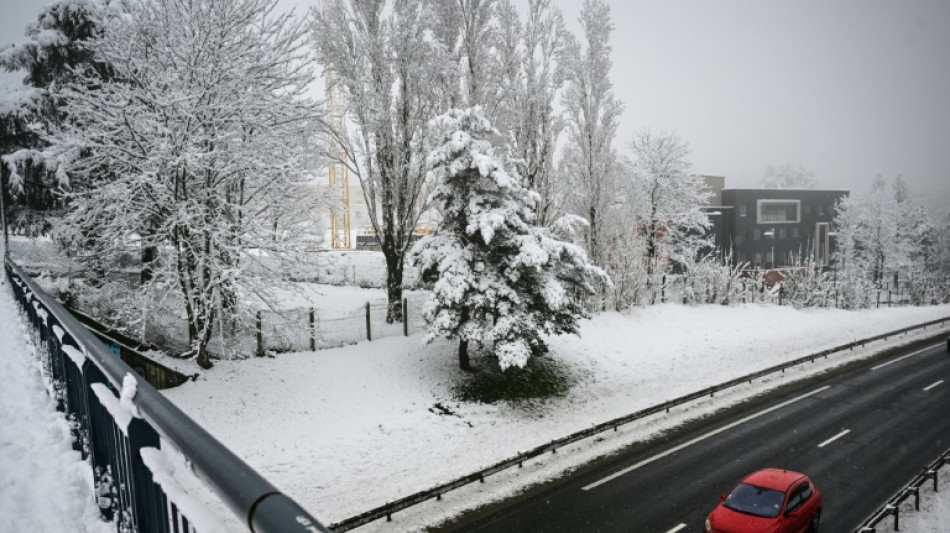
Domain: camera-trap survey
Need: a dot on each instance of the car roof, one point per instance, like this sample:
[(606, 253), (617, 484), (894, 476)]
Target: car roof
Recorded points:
[(773, 478)]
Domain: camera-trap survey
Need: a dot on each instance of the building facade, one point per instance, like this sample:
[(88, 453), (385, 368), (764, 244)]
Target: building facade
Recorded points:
[(775, 228)]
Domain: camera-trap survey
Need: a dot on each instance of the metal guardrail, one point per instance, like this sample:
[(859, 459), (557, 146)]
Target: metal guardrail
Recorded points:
[(436, 492), (892, 507), (86, 376)]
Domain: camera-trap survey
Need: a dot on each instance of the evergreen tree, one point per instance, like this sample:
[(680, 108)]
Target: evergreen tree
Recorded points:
[(52, 54), (497, 278)]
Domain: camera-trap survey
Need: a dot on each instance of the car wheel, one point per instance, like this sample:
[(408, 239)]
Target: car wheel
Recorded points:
[(815, 521)]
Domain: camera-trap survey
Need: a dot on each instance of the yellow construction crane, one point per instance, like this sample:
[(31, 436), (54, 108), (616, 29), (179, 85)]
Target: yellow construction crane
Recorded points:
[(338, 169)]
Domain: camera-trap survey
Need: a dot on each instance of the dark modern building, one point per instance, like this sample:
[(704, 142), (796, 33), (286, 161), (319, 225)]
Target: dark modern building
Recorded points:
[(773, 228)]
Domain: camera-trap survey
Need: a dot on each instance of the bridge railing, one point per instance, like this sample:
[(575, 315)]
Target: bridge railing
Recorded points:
[(132, 435), (912, 489)]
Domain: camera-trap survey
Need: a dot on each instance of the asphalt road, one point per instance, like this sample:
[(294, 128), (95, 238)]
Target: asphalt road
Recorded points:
[(860, 436)]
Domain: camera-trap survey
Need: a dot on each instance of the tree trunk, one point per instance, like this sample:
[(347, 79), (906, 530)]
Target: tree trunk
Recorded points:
[(394, 270), (465, 363), (149, 254)]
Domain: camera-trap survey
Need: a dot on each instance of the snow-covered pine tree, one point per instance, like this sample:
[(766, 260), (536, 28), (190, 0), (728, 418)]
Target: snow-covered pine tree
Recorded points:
[(497, 278), (53, 52)]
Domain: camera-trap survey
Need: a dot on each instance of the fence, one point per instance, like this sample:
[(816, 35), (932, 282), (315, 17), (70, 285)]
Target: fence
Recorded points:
[(893, 506), (130, 434), (310, 329), (388, 509), (164, 327)]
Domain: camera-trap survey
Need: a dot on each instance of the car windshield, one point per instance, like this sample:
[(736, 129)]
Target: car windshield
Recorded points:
[(757, 501)]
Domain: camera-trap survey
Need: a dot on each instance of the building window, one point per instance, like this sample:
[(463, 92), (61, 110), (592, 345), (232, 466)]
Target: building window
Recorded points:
[(756, 234), (807, 209), (758, 258), (795, 232), (779, 211), (742, 210), (781, 233), (821, 209)]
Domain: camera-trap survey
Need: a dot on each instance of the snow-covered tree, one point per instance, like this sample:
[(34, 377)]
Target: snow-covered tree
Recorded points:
[(52, 52), (394, 73), (533, 74), (668, 201), (592, 116), (788, 177), (200, 151), (498, 279)]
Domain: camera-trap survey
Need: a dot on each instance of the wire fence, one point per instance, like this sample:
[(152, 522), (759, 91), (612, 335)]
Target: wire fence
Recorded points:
[(111, 297)]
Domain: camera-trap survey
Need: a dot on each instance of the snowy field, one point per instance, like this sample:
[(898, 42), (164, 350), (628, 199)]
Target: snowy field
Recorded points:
[(349, 429)]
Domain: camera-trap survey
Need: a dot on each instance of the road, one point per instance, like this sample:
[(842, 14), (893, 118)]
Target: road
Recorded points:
[(861, 435)]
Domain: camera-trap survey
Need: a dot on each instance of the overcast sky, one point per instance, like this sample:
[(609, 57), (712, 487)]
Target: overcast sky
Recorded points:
[(847, 88)]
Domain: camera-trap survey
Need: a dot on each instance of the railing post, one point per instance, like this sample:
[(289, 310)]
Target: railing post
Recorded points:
[(369, 326), (260, 336), (405, 317), (313, 331), (146, 499)]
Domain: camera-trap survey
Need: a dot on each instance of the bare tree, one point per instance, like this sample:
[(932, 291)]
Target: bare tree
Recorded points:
[(390, 68), (788, 177), (592, 115), (532, 66), (668, 201), (205, 142)]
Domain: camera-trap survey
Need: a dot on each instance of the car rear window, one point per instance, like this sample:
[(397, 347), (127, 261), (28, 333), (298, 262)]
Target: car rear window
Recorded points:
[(756, 501)]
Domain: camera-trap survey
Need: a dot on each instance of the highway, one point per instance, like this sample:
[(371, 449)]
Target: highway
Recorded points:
[(860, 435)]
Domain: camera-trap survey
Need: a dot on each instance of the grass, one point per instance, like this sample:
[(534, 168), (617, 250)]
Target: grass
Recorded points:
[(543, 378)]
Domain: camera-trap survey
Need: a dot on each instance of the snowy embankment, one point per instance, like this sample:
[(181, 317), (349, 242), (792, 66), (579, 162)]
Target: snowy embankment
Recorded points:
[(348, 429), (44, 484), (934, 514)]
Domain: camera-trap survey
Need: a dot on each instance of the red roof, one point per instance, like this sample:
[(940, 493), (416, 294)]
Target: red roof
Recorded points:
[(773, 478)]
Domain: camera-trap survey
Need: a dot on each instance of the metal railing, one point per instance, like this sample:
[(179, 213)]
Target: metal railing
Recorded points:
[(119, 422), (893, 505), (388, 509)]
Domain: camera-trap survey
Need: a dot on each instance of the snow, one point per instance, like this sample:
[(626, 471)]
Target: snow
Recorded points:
[(44, 485), (934, 508), (348, 429), (164, 472)]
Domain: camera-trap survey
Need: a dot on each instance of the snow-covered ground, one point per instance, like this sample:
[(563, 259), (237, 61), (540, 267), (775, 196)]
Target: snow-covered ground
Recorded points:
[(348, 429), (44, 485), (934, 514)]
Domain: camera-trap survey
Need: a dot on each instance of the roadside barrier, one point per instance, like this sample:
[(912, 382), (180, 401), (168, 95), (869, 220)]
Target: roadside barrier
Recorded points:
[(893, 506), (387, 510)]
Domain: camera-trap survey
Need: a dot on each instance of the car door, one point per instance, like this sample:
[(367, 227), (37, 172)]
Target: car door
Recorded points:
[(797, 517)]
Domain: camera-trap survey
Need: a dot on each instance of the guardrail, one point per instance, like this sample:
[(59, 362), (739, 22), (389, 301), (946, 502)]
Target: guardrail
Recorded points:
[(892, 507), (388, 509), (122, 425)]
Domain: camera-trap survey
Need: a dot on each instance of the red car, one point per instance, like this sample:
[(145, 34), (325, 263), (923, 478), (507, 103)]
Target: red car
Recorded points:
[(768, 501)]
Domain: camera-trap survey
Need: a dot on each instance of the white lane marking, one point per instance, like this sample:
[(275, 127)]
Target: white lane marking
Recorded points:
[(680, 527), (701, 438), (891, 362), (928, 387), (836, 437)]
